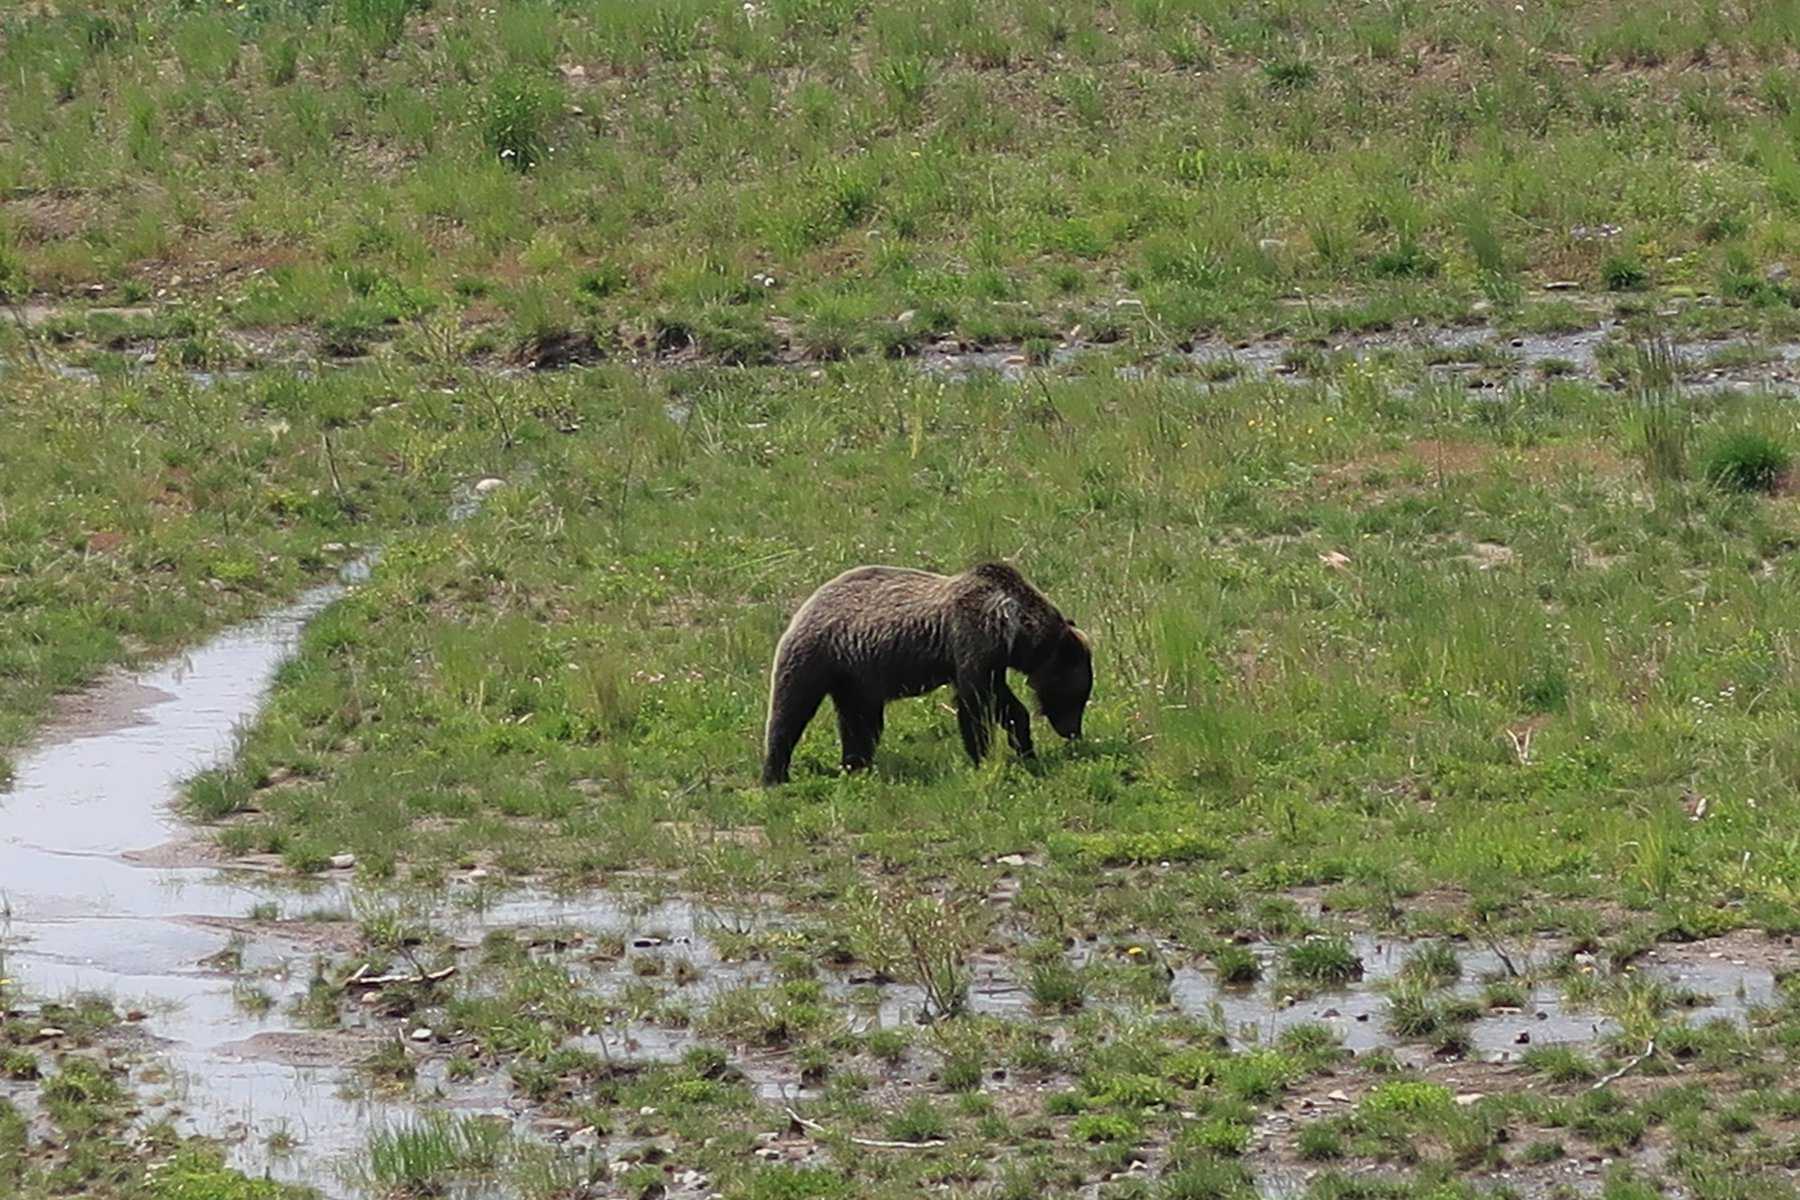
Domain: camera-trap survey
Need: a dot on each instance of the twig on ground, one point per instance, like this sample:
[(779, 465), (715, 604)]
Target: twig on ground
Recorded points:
[(1619, 1074), (875, 1143)]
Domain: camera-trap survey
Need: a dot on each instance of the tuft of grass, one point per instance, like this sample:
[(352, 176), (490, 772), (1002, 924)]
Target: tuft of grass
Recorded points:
[(1057, 987), (1661, 415), (1236, 965), (919, 1121), (1323, 960), (1745, 460)]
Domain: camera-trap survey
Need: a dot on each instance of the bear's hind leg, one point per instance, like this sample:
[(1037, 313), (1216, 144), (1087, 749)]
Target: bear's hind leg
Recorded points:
[(859, 728), (791, 708)]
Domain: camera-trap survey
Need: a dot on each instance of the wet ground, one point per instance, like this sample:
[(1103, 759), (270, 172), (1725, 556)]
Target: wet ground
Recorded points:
[(1478, 356), (105, 893)]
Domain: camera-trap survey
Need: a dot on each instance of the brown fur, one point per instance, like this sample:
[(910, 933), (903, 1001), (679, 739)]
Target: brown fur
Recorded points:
[(876, 634)]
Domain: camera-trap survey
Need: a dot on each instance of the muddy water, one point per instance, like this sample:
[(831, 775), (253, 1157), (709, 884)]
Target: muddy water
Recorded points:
[(89, 907), (85, 918)]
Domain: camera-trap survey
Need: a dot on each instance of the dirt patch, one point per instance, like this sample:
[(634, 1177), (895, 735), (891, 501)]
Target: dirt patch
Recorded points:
[(294, 1048), (181, 852), (340, 936), (108, 706)]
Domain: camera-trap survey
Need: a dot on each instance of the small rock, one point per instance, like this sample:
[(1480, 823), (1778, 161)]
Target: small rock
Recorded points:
[(1524, 1039), (484, 486), (342, 862), (1465, 1099), (333, 548), (691, 1179), (1561, 285), (1543, 1016), (1329, 1013), (421, 1034), (136, 1014), (1777, 272), (645, 943), (1012, 860), (1338, 1097), (768, 1153), (1269, 245), (47, 1032), (478, 873), (907, 317), (647, 1111)]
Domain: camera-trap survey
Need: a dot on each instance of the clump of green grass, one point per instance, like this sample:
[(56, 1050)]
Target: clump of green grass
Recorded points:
[(1320, 1141), (1745, 460), (919, 1121), (1623, 272), (424, 1158), (1323, 960), (1661, 415), (1408, 1098), (1236, 965), (515, 119), (1435, 964), (1057, 987)]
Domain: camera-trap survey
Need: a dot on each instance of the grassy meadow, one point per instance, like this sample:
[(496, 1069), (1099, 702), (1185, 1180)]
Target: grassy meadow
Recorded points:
[(824, 178), (1462, 645)]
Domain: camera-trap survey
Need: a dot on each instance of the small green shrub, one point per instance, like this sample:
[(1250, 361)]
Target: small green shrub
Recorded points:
[(1745, 460), (515, 119), (1623, 272)]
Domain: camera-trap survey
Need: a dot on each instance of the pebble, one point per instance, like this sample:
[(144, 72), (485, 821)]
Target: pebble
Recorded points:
[(1338, 1096), (333, 548), (343, 862), (691, 1179), (647, 1111), (1468, 1098), (48, 1032), (484, 486), (421, 1034)]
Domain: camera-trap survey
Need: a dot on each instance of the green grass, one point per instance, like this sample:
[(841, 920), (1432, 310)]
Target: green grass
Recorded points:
[(306, 165), (1377, 650)]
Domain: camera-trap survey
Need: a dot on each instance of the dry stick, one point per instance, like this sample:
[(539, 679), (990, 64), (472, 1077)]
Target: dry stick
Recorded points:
[(337, 485), (25, 335), (857, 1141), (1621, 1072)]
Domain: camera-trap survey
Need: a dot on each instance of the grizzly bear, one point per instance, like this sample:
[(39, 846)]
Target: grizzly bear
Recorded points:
[(876, 634)]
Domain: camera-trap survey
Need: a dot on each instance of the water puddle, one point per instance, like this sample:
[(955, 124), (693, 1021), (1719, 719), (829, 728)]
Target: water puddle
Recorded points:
[(86, 918), (99, 894)]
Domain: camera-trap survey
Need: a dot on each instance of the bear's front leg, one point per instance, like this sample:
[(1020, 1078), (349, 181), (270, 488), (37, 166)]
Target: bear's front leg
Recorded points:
[(1014, 717)]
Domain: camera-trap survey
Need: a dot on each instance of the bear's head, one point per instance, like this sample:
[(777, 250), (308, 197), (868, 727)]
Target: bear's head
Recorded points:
[(1064, 679)]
